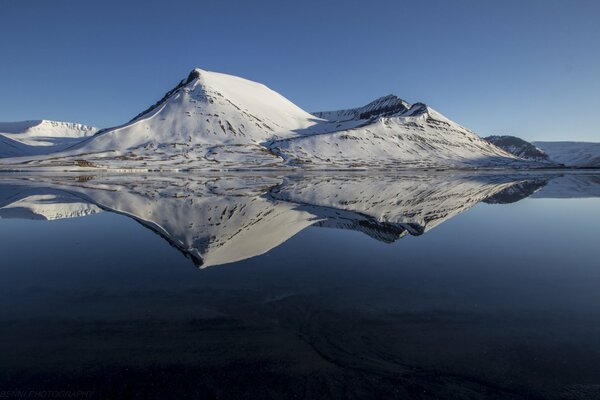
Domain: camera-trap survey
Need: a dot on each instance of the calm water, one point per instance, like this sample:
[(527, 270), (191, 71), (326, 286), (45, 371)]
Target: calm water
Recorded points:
[(439, 285)]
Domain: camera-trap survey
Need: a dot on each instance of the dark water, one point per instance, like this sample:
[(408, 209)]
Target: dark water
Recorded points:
[(424, 286)]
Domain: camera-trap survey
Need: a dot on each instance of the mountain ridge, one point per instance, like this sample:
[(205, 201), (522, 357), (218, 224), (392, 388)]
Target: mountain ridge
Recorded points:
[(213, 120), (386, 105)]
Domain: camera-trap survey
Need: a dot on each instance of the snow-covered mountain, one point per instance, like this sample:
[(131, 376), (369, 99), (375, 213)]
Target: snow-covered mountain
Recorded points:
[(572, 154), (217, 121), (209, 108), (518, 147), (43, 132), (40, 137), (417, 136)]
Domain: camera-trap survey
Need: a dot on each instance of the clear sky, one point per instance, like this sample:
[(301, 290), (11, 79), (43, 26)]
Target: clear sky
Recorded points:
[(527, 68)]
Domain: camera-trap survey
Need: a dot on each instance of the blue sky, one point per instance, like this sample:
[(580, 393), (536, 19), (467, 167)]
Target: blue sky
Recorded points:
[(527, 68)]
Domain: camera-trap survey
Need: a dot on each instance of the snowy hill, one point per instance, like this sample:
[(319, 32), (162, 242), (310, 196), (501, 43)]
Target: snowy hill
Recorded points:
[(572, 154), (217, 121), (415, 137), (40, 137), (518, 147), (35, 132)]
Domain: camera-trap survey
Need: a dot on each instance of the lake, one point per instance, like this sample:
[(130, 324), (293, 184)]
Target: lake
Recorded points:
[(424, 285)]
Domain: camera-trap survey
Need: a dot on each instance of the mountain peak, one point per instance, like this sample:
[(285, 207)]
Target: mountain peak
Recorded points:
[(194, 74), (210, 108), (386, 105), (386, 99), (382, 106)]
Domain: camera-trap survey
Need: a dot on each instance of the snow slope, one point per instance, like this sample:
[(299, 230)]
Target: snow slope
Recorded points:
[(572, 154)]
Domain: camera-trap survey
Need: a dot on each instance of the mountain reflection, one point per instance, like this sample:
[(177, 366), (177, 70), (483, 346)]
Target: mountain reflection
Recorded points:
[(219, 220)]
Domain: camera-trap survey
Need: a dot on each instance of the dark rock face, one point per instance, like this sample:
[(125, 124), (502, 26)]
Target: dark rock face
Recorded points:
[(193, 75), (417, 109), (518, 147), (381, 107)]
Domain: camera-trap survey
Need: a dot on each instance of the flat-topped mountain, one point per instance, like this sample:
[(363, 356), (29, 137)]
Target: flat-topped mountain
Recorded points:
[(25, 138), (36, 131), (572, 154)]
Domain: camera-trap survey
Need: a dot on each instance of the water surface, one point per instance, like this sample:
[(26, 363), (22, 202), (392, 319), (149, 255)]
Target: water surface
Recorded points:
[(417, 285)]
